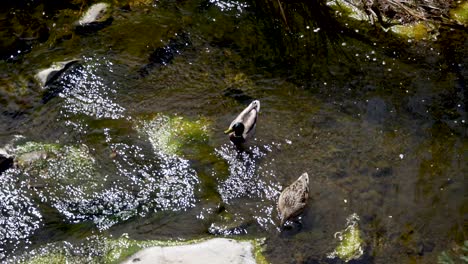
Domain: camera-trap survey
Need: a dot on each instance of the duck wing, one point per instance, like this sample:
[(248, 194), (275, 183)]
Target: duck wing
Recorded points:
[(249, 121)]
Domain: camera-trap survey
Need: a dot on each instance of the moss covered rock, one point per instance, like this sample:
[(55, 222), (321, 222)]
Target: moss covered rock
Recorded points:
[(171, 134), (350, 245)]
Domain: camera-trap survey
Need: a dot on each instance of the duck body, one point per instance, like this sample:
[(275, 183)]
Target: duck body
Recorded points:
[(293, 199), (243, 126)]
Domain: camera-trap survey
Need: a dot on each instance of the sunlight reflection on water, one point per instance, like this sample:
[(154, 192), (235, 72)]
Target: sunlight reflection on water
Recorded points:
[(229, 5), (19, 217), (248, 179), (86, 92)]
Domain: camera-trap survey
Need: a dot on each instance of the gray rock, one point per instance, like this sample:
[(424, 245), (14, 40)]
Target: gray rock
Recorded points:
[(26, 159)]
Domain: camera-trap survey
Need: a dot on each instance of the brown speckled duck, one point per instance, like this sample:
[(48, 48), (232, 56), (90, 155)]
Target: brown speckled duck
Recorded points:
[(293, 199), (243, 127)]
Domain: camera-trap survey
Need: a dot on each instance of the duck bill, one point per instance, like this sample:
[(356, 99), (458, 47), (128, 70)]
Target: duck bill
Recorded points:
[(230, 130)]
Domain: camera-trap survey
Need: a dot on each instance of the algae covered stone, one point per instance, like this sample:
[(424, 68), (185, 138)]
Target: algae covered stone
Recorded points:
[(460, 14), (170, 134), (350, 245)]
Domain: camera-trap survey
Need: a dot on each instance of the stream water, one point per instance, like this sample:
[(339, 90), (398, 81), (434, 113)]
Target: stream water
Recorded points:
[(136, 133)]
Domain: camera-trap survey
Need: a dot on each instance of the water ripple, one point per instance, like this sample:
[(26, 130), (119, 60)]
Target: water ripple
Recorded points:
[(247, 179), (86, 92)]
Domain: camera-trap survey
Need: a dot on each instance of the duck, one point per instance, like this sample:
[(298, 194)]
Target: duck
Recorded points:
[(243, 126), (293, 199)]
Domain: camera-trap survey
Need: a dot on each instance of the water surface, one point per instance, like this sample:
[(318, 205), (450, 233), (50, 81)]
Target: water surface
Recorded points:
[(377, 120)]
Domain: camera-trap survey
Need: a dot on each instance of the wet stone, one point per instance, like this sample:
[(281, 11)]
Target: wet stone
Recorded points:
[(164, 55), (56, 69), (95, 18), (27, 159), (5, 163)]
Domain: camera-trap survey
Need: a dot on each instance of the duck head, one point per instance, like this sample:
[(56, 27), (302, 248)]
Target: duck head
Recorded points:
[(237, 128)]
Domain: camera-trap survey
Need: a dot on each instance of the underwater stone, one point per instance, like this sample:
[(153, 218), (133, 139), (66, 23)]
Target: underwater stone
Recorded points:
[(350, 244), (28, 159), (238, 95), (5, 162), (47, 76), (162, 56), (170, 134), (96, 17)]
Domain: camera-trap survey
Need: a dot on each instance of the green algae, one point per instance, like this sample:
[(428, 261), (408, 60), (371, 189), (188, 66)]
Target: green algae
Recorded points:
[(417, 31), (170, 135), (459, 254), (350, 244), (36, 146), (460, 14), (53, 258), (259, 248), (344, 8), (32, 155)]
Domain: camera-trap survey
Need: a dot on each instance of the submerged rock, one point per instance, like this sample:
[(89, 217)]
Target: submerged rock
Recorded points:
[(164, 55), (460, 13), (170, 134), (350, 244), (27, 159), (47, 76), (238, 95), (96, 17), (5, 162)]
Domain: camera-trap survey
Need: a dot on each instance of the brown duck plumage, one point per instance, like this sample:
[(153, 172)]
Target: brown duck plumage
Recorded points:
[(293, 199)]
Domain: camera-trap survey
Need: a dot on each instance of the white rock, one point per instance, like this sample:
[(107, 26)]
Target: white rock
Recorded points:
[(45, 76), (94, 14), (213, 251)]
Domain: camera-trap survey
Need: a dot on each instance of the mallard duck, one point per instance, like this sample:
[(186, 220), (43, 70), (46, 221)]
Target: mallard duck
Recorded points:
[(243, 127), (293, 199)]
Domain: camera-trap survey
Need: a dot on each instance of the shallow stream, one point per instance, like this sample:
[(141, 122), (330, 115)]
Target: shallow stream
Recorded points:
[(133, 134)]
